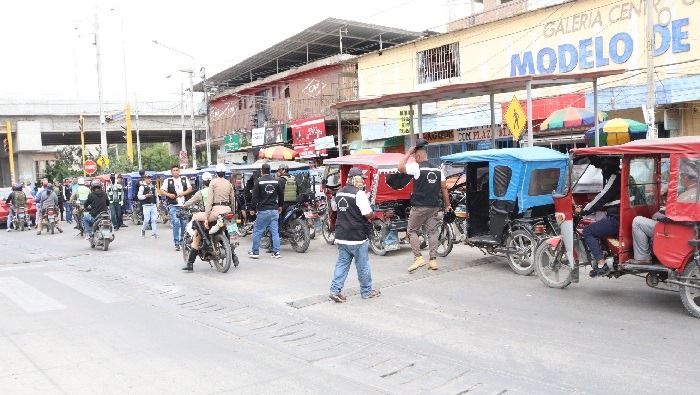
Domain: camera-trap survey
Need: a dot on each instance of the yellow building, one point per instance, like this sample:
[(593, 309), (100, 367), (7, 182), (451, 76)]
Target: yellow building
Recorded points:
[(573, 37)]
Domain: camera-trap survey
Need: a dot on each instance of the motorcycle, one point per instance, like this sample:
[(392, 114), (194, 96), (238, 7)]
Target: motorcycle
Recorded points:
[(48, 220), (218, 245), (78, 211), (19, 221), (311, 213), (102, 231), (163, 212), (244, 225), (294, 229), (136, 213)]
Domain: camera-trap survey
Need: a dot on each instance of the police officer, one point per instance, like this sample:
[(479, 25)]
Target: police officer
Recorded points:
[(351, 229), (267, 197), (80, 194), (115, 193), (200, 197), (220, 199), (429, 182)]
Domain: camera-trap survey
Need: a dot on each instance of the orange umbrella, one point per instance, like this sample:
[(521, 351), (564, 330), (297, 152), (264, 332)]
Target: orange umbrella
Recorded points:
[(278, 152)]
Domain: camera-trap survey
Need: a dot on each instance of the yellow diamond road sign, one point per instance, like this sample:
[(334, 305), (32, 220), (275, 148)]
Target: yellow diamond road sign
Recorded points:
[(103, 161), (515, 117)]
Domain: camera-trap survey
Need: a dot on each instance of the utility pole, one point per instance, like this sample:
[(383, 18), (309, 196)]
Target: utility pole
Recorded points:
[(651, 88), (10, 151), (182, 113), (103, 131), (138, 135), (206, 102), (194, 148)]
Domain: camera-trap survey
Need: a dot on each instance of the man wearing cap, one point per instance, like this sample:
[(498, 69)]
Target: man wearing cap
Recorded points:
[(351, 229), (689, 181), (428, 184), (176, 190), (147, 198), (267, 198)]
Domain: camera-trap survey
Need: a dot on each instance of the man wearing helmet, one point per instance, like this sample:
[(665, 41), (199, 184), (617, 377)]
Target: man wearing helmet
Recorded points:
[(16, 199), (48, 199), (290, 189), (96, 202), (220, 199), (200, 197)]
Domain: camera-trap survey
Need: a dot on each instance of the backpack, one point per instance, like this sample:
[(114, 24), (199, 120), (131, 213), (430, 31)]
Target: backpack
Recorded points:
[(290, 189), (20, 199)]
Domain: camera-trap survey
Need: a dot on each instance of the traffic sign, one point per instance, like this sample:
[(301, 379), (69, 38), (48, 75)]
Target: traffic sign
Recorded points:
[(516, 119), (103, 161), (90, 167)]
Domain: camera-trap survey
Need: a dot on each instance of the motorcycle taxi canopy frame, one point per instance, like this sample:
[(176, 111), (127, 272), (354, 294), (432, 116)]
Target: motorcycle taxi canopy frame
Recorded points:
[(530, 170), (474, 89)]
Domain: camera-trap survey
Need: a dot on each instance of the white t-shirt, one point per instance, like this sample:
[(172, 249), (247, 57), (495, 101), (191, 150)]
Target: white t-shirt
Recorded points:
[(178, 188), (363, 204), (414, 170)]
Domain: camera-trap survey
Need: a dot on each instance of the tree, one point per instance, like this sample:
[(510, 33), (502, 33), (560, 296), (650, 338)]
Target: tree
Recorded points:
[(156, 157), (68, 164)]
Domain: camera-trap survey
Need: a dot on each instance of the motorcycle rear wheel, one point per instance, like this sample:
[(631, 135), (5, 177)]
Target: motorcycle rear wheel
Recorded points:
[(105, 244), (52, 227), (552, 273), (301, 238), (21, 226), (222, 250)]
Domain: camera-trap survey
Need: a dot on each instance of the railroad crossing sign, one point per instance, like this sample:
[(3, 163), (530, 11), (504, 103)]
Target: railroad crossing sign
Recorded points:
[(515, 117), (90, 167), (103, 161)]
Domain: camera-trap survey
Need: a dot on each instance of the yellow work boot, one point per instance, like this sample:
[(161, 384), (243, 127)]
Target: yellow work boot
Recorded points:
[(417, 262), (432, 264)]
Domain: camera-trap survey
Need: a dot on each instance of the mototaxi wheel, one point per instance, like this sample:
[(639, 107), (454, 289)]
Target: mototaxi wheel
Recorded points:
[(521, 261), (326, 231), (376, 242), (691, 296), (300, 238), (222, 252), (552, 272)]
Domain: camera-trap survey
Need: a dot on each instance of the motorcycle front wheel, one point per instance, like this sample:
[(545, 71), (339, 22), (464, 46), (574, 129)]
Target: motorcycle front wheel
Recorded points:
[(222, 252), (445, 237), (328, 234), (301, 238), (554, 273)]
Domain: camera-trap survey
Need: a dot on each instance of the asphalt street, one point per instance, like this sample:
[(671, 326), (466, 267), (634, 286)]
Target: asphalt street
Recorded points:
[(77, 320)]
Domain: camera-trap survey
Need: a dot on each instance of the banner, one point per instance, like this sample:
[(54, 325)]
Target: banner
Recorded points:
[(276, 134), (305, 131), (258, 137), (232, 143)]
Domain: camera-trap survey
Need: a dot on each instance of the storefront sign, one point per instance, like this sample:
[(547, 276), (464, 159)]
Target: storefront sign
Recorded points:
[(276, 134), (446, 136), (324, 143), (258, 137), (305, 131), (232, 143), (481, 133), (404, 122)]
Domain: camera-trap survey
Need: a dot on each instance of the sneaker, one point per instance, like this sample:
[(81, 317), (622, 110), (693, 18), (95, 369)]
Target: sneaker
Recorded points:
[(374, 294), (123, 226), (177, 247), (432, 264), (276, 255), (417, 262), (154, 236), (8, 229), (87, 237), (143, 234), (253, 255), (337, 298)]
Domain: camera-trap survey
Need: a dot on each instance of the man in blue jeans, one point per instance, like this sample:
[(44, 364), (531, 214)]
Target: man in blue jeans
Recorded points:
[(268, 196), (351, 229), (176, 190)]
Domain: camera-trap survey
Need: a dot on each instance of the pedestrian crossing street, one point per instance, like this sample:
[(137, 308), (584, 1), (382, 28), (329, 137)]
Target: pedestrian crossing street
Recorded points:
[(42, 292)]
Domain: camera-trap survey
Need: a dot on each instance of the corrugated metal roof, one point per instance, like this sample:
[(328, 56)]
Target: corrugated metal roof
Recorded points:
[(314, 43)]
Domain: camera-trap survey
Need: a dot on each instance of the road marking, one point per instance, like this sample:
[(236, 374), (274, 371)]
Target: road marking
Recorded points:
[(27, 297), (86, 288), (19, 267)]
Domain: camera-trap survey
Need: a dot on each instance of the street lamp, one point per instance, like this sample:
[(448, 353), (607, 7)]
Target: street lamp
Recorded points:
[(191, 73)]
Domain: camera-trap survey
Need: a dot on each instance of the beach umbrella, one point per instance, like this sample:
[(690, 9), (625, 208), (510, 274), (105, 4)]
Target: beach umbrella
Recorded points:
[(616, 131), (571, 117), (278, 152)]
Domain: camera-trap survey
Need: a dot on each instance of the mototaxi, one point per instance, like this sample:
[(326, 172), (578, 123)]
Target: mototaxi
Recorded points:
[(647, 167), (508, 204)]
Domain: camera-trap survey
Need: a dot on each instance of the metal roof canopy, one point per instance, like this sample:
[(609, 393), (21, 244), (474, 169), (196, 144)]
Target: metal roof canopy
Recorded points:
[(475, 89), (317, 42)]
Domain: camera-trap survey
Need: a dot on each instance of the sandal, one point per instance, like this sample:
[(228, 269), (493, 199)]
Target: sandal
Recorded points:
[(374, 294)]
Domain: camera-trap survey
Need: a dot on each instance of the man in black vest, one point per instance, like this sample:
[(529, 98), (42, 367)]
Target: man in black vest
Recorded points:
[(351, 229), (267, 198), (176, 189), (147, 198), (428, 183)]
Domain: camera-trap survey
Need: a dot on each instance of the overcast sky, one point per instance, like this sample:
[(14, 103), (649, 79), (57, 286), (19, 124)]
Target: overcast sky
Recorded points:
[(48, 53)]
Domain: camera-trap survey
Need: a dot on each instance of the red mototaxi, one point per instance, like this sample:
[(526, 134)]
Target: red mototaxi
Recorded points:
[(676, 236)]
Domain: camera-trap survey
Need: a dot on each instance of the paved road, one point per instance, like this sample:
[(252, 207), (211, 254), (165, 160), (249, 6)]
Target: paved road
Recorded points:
[(76, 320)]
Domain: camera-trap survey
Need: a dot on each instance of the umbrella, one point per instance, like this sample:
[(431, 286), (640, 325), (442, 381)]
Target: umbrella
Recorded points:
[(278, 152), (571, 117), (617, 131)]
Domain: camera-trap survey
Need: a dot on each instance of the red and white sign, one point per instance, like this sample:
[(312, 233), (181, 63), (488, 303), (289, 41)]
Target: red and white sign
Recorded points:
[(90, 167), (305, 132)]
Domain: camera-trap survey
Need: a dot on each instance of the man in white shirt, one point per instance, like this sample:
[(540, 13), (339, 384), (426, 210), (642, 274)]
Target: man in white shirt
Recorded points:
[(176, 190)]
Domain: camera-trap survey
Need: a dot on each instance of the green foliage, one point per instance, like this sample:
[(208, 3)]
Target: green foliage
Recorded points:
[(156, 157), (68, 164)]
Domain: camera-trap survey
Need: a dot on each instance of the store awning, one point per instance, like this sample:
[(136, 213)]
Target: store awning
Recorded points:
[(383, 143)]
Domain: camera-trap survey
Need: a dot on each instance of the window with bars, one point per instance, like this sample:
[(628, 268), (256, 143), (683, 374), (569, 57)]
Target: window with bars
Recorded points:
[(438, 63)]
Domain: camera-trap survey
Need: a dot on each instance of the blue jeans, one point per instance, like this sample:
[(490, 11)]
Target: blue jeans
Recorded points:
[(10, 215), (150, 213), (608, 226), (179, 225), (265, 219), (342, 266), (69, 212), (87, 223)]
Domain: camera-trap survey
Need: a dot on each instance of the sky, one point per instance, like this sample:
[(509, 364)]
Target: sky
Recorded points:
[(48, 51)]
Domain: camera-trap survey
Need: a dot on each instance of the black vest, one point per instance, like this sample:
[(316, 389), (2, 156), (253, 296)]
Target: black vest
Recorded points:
[(146, 190), (171, 188), (351, 225), (426, 188)]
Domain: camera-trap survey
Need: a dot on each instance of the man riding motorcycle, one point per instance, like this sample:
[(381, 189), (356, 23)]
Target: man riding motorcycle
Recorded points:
[(15, 200), (48, 199), (96, 202)]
